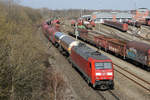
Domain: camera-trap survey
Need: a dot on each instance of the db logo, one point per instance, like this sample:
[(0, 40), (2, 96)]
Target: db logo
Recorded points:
[(104, 74)]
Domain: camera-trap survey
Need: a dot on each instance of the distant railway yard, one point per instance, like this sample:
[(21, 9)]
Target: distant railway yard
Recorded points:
[(131, 77), (74, 50)]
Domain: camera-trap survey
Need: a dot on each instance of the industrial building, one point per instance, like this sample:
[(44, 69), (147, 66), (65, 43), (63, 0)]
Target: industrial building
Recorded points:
[(141, 14), (136, 15), (99, 17)]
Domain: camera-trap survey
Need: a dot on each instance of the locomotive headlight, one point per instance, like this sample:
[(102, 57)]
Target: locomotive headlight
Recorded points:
[(109, 73), (98, 74)]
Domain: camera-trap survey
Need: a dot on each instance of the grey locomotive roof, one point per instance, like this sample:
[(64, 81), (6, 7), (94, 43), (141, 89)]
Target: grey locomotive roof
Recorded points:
[(87, 52), (67, 39)]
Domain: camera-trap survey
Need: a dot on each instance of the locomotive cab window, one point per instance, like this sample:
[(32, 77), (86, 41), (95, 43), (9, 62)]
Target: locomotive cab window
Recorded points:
[(103, 65)]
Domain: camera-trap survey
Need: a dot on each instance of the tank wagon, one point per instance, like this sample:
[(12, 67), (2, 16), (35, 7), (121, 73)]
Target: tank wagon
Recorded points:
[(118, 25), (66, 43), (94, 66)]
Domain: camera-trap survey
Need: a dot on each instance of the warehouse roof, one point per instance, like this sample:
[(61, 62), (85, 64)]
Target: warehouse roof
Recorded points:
[(124, 15), (103, 15), (110, 15)]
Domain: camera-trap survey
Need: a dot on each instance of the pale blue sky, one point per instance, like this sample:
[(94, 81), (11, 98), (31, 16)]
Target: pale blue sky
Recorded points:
[(87, 4)]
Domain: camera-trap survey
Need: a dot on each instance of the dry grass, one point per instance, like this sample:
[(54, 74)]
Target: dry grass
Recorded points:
[(25, 70)]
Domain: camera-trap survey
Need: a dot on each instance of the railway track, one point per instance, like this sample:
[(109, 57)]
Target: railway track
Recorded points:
[(115, 32), (106, 95), (114, 35), (147, 27), (125, 37), (130, 35), (136, 79)]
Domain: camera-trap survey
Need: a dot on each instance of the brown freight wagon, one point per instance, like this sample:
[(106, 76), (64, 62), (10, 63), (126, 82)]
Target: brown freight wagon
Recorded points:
[(139, 52), (101, 41), (117, 46), (114, 45), (108, 43)]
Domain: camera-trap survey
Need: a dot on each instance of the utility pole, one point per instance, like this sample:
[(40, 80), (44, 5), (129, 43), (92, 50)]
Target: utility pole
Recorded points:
[(81, 13), (76, 31)]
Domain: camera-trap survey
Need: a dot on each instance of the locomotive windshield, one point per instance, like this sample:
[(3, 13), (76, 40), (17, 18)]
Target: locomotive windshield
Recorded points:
[(103, 65)]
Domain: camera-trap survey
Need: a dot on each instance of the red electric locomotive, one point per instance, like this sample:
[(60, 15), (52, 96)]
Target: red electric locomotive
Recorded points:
[(96, 67)]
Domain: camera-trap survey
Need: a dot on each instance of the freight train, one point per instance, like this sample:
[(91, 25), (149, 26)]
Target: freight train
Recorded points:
[(133, 50), (118, 25), (96, 68)]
